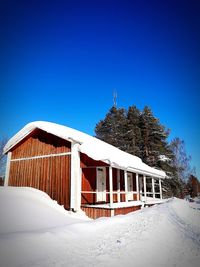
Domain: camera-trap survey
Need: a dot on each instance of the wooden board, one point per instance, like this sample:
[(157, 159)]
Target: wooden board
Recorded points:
[(95, 212)]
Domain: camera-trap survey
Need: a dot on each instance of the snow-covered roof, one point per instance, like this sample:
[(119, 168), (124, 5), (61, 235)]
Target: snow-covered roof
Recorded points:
[(91, 146)]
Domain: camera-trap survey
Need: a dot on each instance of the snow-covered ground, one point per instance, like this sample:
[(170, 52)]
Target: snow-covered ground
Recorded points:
[(35, 231)]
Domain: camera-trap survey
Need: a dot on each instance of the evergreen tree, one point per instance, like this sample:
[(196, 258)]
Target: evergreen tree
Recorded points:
[(154, 139), (133, 132), (113, 129), (142, 135)]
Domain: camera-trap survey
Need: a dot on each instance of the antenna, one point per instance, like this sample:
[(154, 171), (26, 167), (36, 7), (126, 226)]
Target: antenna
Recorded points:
[(115, 99)]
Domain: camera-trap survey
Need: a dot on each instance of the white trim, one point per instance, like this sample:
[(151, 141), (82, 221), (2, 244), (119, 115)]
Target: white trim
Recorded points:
[(75, 178), (140, 171), (153, 187), (111, 186), (112, 213), (160, 186), (43, 156), (129, 169), (7, 168), (133, 192), (93, 167), (7, 148), (145, 187), (140, 186), (79, 186), (137, 186), (114, 192), (118, 185), (89, 192), (126, 185), (115, 205)]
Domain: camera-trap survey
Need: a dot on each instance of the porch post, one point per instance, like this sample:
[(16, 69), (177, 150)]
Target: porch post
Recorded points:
[(111, 185), (126, 185), (7, 169), (141, 186), (137, 186), (75, 196), (160, 186), (118, 185), (153, 187), (145, 187)]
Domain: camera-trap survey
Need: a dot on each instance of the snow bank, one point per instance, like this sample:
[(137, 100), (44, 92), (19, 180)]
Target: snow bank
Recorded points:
[(102, 151), (186, 212), (27, 209), (161, 236)]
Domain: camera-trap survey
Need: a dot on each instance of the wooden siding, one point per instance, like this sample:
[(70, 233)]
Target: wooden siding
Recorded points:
[(51, 175), (134, 181), (40, 143), (95, 212), (89, 179), (89, 162), (126, 210), (88, 184)]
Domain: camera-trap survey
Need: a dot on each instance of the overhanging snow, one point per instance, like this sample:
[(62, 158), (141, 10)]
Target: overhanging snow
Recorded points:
[(91, 146)]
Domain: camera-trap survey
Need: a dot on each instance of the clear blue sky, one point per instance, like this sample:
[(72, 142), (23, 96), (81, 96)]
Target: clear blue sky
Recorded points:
[(61, 60)]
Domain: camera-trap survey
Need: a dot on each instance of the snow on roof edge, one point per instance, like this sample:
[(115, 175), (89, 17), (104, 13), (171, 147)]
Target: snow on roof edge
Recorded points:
[(91, 146)]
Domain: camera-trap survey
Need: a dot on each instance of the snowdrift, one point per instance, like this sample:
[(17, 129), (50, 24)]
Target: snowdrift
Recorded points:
[(36, 231), (25, 209)]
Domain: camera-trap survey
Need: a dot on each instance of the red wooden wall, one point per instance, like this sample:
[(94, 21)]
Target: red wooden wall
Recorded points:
[(95, 212), (49, 174)]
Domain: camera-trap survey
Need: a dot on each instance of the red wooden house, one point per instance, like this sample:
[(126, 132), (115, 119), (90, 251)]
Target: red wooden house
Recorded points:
[(79, 171)]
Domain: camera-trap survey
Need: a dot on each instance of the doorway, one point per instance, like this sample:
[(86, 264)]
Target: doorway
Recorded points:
[(130, 186), (101, 184)]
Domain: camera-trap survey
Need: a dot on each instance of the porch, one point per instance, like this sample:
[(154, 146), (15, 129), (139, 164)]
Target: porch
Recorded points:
[(108, 191)]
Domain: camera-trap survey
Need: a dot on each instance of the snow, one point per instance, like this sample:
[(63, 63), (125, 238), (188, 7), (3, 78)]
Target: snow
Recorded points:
[(164, 158), (30, 210), (118, 205), (147, 201), (151, 200), (103, 151), (35, 231)]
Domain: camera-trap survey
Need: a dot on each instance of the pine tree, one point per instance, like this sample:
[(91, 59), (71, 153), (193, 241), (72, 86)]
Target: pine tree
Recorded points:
[(141, 134), (113, 129), (154, 138), (133, 131)]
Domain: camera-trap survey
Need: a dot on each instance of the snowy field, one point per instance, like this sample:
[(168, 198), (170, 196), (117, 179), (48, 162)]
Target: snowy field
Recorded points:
[(35, 231)]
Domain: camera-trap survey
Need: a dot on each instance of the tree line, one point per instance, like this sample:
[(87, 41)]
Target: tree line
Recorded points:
[(141, 134)]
